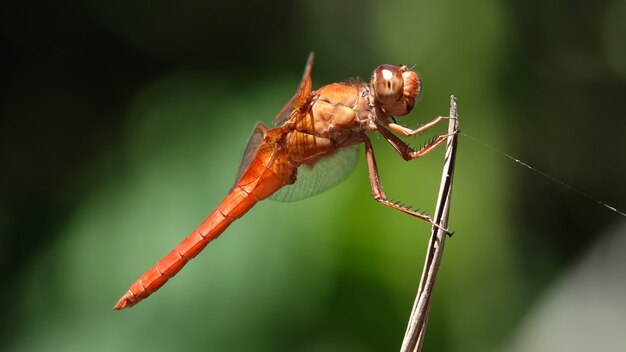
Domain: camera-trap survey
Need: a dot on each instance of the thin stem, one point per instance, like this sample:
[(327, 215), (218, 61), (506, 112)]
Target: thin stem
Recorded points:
[(414, 337)]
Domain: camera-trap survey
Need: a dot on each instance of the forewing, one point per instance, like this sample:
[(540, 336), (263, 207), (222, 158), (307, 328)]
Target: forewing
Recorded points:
[(322, 176), (301, 95)]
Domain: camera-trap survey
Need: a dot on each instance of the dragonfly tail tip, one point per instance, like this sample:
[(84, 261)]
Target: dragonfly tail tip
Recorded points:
[(124, 302)]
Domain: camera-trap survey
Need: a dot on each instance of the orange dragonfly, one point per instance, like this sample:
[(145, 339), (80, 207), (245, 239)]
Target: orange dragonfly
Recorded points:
[(313, 149)]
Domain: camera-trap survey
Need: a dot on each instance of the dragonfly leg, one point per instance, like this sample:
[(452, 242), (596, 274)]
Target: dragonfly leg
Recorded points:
[(409, 132), (379, 194), (406, 151)]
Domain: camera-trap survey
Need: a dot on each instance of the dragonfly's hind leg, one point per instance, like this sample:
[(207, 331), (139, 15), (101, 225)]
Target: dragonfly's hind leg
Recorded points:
[(379, 194)]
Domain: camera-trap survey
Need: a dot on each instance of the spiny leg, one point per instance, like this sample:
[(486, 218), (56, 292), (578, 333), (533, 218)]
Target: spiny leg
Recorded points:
[(409, 132), (405, 150), (377, 188)]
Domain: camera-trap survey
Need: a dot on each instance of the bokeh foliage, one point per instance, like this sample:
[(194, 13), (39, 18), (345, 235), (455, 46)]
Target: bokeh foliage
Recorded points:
[(122, 128)]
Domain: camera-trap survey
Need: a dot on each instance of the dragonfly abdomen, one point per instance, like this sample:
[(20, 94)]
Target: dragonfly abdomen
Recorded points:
[(258, 182), (175, 260)]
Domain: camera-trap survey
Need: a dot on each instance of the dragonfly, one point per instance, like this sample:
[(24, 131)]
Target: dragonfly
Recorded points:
[(314, 147)]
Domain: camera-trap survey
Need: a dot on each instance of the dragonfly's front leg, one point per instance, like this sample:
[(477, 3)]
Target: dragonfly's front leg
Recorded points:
[(377, 188), (405, 150), (409, 132)]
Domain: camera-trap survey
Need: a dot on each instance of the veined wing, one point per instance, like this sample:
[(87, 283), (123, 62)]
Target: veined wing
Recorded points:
[(254, 143), (295, 104), (323, 175)]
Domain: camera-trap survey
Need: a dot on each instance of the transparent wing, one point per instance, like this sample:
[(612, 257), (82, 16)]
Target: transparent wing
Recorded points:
[(304, 89), (254, 142), (325, 174)]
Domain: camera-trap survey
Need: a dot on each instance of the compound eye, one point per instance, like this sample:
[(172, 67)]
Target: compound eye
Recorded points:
[(388, 83)]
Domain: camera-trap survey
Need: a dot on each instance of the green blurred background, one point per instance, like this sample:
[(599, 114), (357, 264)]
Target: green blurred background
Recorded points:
[(122, 128)]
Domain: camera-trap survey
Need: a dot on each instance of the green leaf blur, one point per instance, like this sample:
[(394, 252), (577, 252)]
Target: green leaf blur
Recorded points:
[(124, 124)]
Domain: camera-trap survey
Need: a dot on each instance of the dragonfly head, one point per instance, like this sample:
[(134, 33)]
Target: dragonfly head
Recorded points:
[(395, 89)]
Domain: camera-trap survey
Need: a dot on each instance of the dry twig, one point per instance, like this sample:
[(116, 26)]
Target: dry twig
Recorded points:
[(414, 337)]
